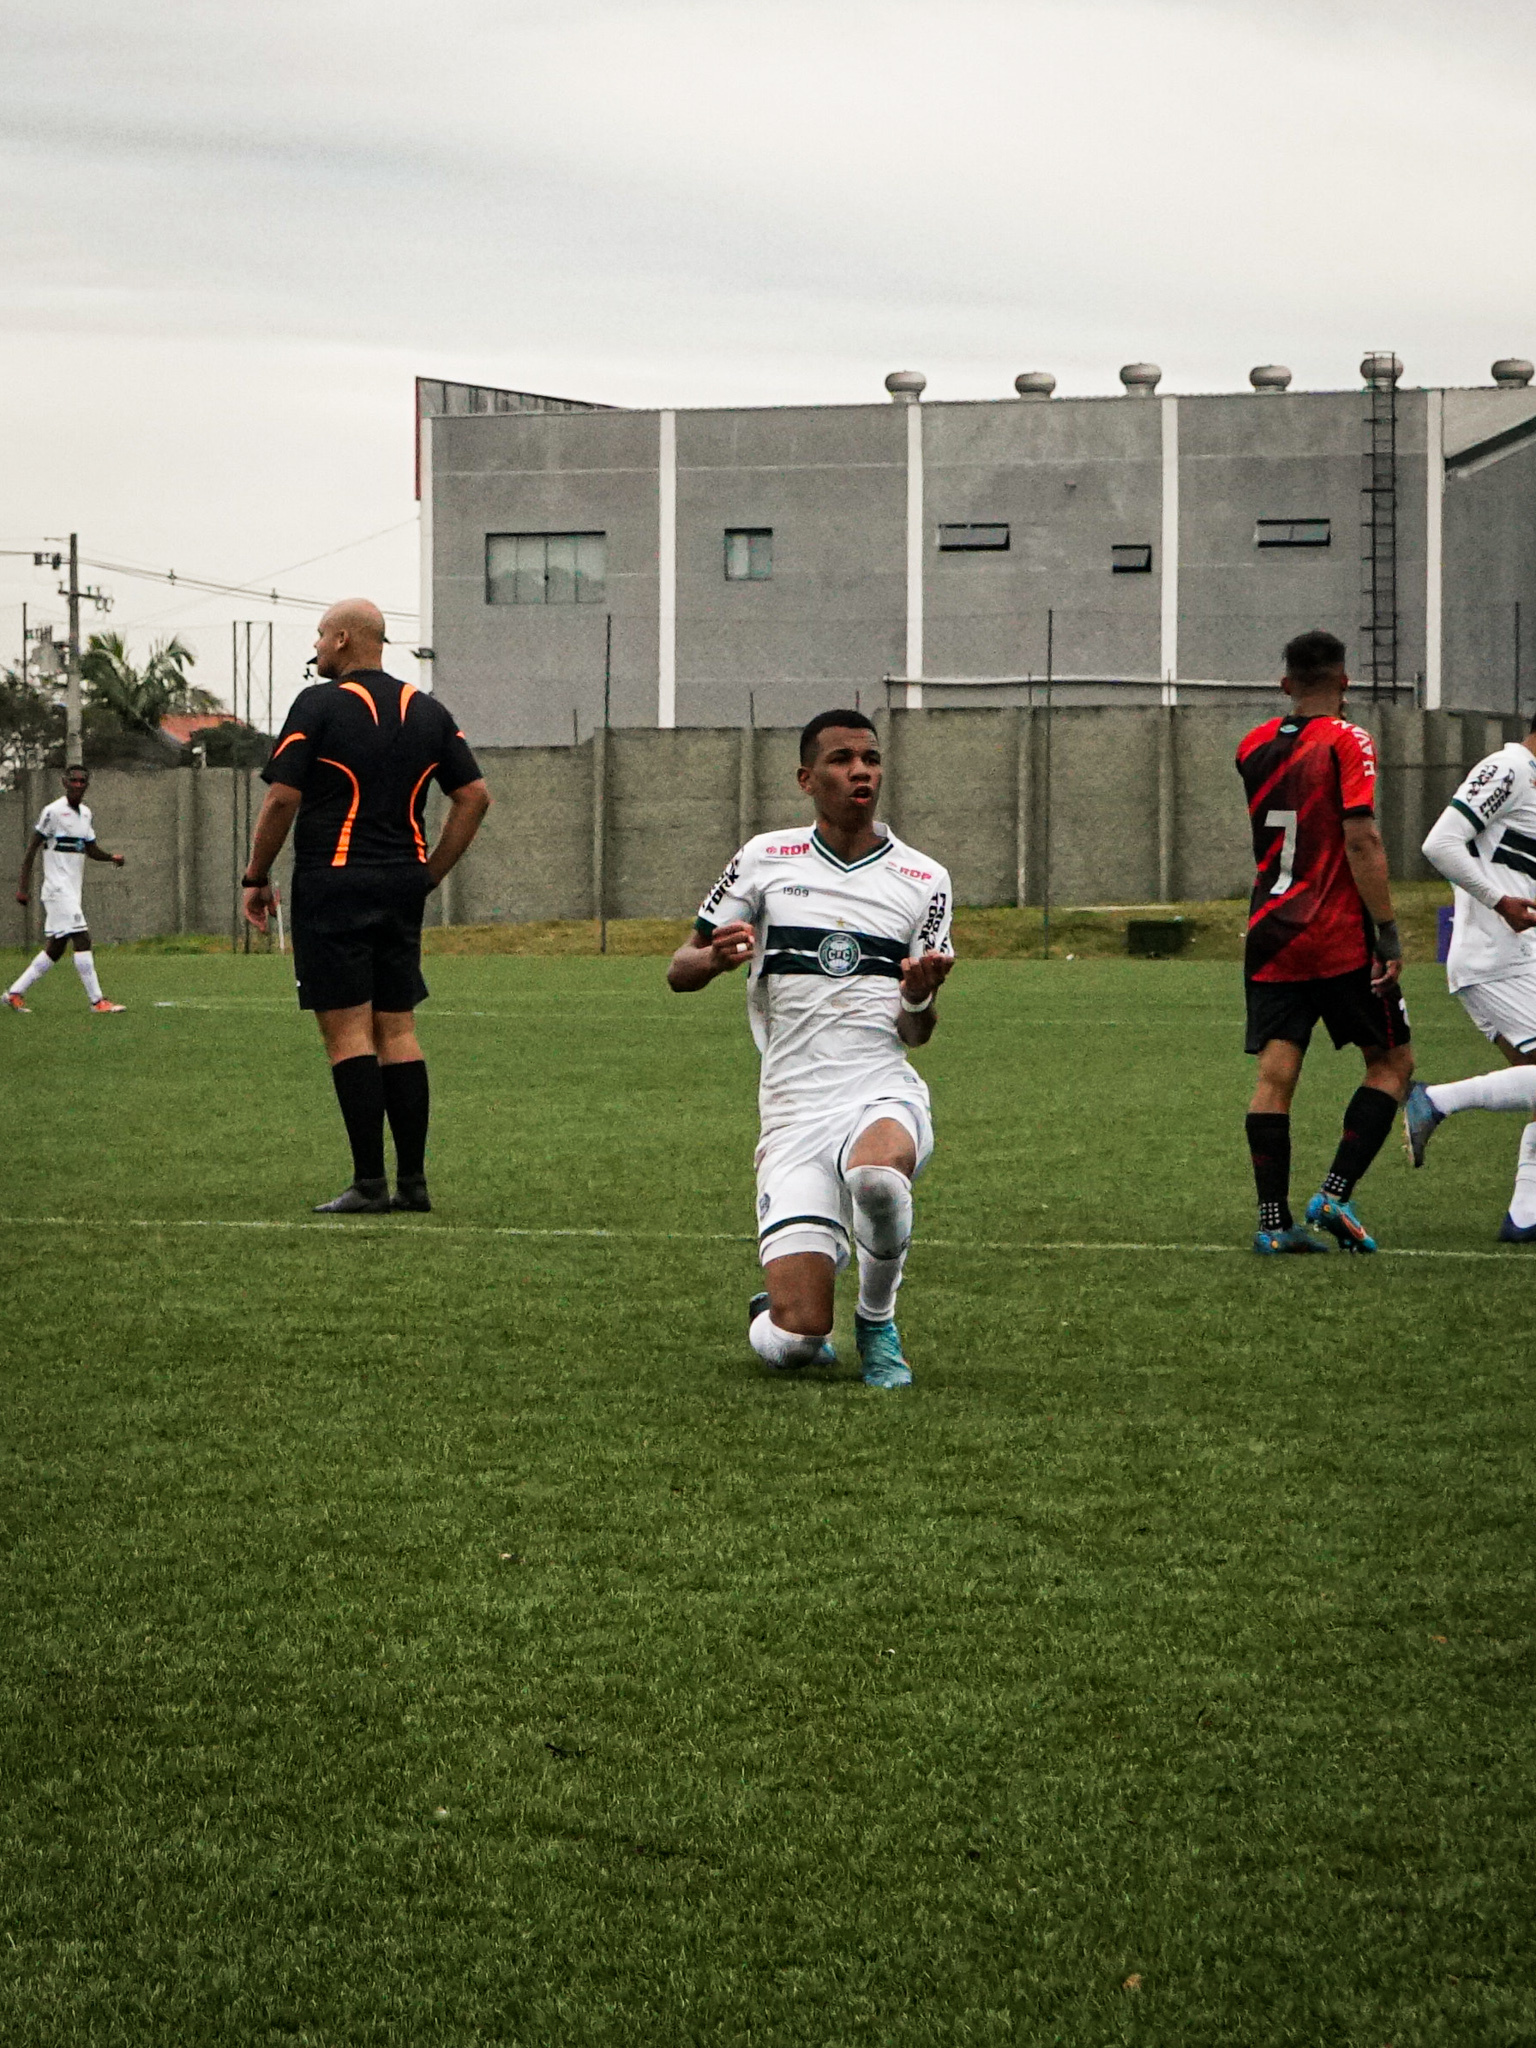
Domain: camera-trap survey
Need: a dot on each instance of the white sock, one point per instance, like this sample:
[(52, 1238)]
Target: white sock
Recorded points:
[(781, 1347), (1504, 1088), (882, 1207), (85, 967), (34, 972), (1522, 1203)]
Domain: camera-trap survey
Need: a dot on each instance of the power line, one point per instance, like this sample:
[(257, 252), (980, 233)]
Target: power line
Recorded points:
[(219, 589)]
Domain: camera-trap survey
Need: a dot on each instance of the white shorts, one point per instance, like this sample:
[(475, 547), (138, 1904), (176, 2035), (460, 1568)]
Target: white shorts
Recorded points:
[(1504, 1009), (803, 1203), (62, 916)]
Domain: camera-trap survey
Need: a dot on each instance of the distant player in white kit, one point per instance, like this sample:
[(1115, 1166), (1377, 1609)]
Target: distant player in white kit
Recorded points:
[(1484, 843), (847, 932), (67, 839)]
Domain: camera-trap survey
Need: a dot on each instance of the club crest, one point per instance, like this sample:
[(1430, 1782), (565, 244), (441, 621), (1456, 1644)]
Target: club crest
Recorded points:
[(838, 954)]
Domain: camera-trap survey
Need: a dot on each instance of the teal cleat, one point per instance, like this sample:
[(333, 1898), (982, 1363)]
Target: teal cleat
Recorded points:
[(1292, 1239), (1421, 1120), (757, 1306), (1327, 1212), (880, 1354)]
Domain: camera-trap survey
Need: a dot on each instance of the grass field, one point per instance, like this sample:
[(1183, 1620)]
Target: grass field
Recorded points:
[(440, 1630)]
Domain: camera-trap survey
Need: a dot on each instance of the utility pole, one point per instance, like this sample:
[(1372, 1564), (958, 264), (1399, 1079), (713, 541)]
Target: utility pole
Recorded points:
[(73, 747)]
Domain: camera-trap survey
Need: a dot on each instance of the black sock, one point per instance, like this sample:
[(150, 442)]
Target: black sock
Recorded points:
[(360, 1092), (407, 1101), (1269, 1147), (1367, 1120)]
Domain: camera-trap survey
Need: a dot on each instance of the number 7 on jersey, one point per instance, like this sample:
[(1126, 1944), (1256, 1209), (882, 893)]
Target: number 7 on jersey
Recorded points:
[(1287, 821)]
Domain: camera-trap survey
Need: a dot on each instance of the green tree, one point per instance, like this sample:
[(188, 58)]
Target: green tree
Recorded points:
[(139, 698), (31, 724)]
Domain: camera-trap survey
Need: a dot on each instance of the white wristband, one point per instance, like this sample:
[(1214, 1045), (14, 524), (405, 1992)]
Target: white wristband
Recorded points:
[(914, 1009)]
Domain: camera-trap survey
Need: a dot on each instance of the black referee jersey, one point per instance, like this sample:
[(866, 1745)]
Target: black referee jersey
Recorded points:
[(362, 751)]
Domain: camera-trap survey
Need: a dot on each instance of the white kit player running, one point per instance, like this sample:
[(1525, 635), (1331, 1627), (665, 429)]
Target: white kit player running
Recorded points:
[(847, 932), (1484, 843), (66, 838)]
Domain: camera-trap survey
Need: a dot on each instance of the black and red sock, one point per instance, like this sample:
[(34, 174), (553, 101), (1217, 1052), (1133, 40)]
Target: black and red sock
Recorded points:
[(1269, 1147), (1367, 1120)]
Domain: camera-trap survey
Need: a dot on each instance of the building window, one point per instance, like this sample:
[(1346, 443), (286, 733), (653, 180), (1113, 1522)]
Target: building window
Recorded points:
[(1291, 533), (748, 554), (1131, 558), (973, 540), (546, 568)]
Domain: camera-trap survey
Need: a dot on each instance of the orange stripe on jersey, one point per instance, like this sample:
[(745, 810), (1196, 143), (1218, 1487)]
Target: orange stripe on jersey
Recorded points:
[(410, 811), (367, 697), (407, 692), (339, 857), (288, 742)]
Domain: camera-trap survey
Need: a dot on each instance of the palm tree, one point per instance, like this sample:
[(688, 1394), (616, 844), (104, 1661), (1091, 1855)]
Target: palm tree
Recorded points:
[(140, 698)]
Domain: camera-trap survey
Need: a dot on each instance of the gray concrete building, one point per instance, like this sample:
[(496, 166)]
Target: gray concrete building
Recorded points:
[(733, 565)]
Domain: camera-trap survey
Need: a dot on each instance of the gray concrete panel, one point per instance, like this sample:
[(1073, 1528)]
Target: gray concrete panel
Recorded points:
[(1103, 805), (673, 819), (1490, 568)]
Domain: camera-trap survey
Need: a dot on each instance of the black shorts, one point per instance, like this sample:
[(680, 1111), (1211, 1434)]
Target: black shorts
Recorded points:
[(1352, 1010), (357, 937)]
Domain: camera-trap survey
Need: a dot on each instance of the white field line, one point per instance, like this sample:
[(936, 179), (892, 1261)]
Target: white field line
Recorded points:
[(425, 1233)]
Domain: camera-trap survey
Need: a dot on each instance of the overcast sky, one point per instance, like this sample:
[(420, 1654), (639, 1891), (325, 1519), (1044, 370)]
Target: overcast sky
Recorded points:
[(233, 235)]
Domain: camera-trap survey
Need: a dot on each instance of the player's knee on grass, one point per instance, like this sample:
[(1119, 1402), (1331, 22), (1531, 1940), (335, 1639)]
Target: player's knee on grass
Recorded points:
[(800, 1294), (882, 1201)]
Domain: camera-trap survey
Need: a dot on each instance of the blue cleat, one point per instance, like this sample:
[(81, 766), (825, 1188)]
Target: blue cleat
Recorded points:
[(757, 1306), (1327, 1212), (1421, 1120), (1292, 1239), (1511, 1232), (880, 1354)]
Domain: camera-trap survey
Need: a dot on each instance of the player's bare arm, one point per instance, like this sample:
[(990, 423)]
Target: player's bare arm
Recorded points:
[(467, 806), (921, 980), (698, 962), (24, 886), (1367, 857), (95, 852), (273, 824)]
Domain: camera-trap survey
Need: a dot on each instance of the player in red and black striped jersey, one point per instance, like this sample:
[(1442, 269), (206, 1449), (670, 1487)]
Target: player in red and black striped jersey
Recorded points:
[(1322, 943), (352, 763)]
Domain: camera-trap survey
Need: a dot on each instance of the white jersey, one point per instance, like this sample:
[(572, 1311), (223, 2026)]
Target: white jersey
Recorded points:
[(1497, 802), (824, 991), (65, 833)]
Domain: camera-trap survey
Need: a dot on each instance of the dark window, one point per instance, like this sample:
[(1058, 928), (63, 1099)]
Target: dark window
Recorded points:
[(973, 540), (1291, 533), (546, 568), (1133, 558), (748, 554)]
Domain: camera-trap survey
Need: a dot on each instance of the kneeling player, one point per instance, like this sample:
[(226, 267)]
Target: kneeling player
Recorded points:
[(1484, 842), (847, 932)]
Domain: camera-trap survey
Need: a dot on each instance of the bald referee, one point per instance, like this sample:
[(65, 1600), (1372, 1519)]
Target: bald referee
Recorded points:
[(352, 764)]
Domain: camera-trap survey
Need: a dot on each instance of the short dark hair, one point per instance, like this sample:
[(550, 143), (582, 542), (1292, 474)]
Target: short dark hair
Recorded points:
[(77, 768), (810, 734), (1311, 656)]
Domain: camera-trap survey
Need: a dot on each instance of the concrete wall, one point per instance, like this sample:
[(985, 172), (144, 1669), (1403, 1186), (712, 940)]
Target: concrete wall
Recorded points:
[(1072, 478), (1135, 804), (1490, 570)]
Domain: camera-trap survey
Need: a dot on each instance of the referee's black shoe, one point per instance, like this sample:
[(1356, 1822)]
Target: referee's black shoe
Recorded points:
[(363, 1198), (411, 1193)]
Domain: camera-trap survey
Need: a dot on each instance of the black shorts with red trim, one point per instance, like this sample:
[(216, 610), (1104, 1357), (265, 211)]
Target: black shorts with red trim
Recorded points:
[(1353, 1011), (357, 936)]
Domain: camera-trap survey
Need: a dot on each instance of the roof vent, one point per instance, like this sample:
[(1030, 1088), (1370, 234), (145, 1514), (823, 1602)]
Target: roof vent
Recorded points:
[(1381, 371), (1034, 384), (1269, 377), (1510, 372), (906, 386), (1140, 379)]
